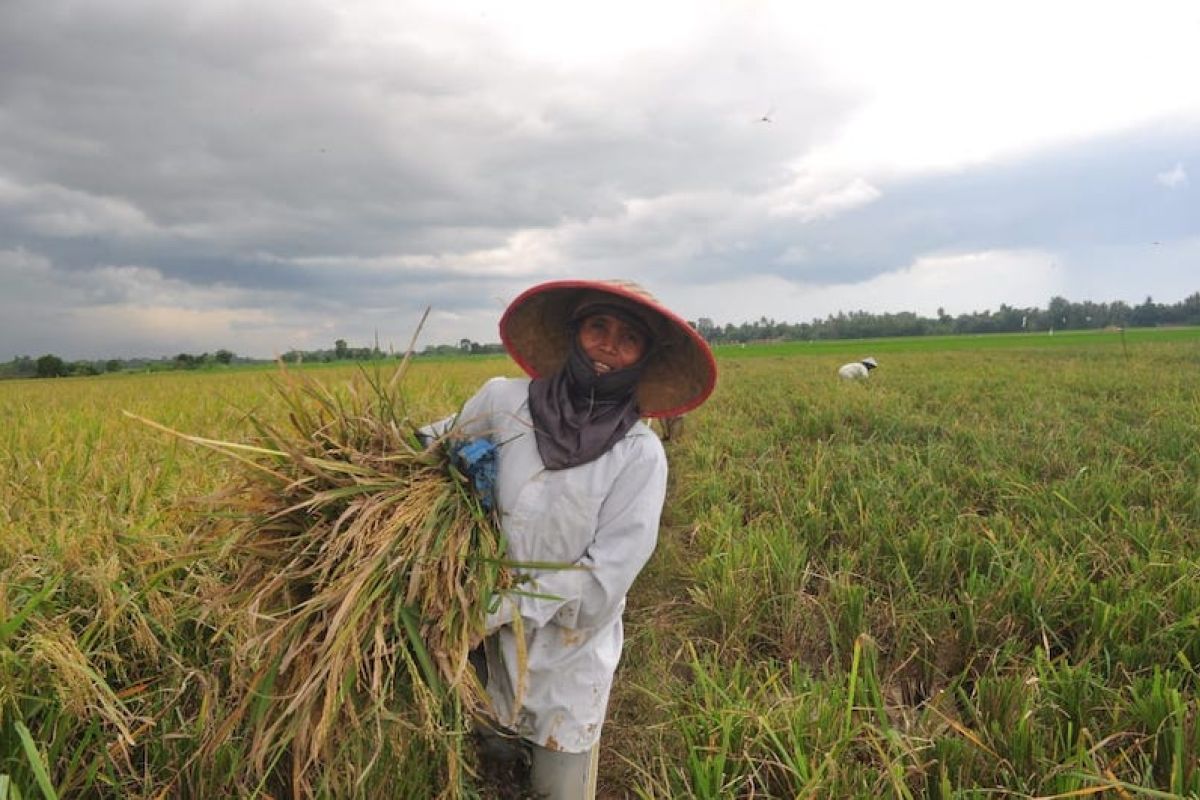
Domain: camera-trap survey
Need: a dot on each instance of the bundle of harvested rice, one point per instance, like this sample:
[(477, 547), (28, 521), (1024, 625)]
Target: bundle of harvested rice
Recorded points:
[(360, 566)]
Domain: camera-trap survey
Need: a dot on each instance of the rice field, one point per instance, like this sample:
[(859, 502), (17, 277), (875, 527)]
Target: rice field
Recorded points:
[(975, 575)]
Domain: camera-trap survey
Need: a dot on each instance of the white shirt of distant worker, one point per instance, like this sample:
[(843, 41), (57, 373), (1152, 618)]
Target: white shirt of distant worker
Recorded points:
[(580, 481)]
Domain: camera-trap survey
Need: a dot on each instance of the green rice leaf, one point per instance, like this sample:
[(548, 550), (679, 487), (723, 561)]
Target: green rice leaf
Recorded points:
[(418, 647), (10, 626), (40, 773)]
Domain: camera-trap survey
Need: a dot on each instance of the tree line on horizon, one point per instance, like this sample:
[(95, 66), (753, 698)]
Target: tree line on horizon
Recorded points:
[(52, 366), (1059, 314)]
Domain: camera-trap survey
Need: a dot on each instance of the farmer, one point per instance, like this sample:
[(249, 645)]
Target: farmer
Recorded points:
[(580, 480)]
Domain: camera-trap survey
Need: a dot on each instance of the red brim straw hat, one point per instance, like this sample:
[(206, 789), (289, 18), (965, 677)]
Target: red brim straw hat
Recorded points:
[(680, 371)]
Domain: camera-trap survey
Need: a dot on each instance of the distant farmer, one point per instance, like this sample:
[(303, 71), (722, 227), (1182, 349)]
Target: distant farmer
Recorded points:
[(580, 480), (857, 370)]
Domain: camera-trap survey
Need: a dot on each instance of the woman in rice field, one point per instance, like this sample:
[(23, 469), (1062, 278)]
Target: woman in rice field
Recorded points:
[(580, 480)]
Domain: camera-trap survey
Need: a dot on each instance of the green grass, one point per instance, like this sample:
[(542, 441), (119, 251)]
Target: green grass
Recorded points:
[(963, 577), (974, 575), (1113, 340)]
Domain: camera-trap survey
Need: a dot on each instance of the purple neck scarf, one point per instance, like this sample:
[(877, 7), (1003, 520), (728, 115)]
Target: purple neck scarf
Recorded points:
[(578, 415)]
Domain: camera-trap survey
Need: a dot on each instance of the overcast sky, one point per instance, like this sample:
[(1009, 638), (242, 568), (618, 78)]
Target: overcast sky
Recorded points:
[(183, 177)]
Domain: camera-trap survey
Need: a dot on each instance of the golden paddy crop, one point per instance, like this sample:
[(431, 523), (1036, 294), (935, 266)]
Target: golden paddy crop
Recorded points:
[(974, 575)]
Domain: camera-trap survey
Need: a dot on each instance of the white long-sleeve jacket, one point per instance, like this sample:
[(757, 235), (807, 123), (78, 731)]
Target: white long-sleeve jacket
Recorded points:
[(602, 517)]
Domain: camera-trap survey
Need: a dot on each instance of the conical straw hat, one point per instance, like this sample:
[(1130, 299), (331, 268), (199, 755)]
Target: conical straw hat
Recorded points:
[(680, 371)]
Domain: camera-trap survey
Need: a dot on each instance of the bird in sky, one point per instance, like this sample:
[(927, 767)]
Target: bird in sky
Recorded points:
[(767, 116)]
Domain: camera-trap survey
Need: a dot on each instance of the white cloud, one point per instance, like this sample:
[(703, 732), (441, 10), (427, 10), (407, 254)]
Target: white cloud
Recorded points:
[(808, 203), (172, 326), (793, 255), (20, 264), (133, 286), (1172, 178), (957, 283), (60, 212), (947, 83), (964, 282)]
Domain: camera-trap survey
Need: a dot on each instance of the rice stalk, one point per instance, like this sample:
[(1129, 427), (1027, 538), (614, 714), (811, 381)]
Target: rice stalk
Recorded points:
[(357, 571)]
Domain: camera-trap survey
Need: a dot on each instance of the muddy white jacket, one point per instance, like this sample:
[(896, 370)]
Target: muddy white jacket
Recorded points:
[(602, 518)]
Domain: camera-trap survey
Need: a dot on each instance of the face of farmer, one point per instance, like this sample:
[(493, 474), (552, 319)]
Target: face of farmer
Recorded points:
[(609, 343)]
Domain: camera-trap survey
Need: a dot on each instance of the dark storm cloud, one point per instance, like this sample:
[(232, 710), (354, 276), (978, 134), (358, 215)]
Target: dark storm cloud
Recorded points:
[(283, 175), (1091, 195), (236, 133), (267, 150), (234, 142)]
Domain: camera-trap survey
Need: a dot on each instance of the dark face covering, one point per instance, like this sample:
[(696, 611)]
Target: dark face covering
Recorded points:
[(579, 414)]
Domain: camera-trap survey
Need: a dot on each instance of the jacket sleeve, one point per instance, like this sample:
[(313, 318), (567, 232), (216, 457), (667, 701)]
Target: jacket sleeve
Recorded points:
[(473, 420), (626, 533)]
